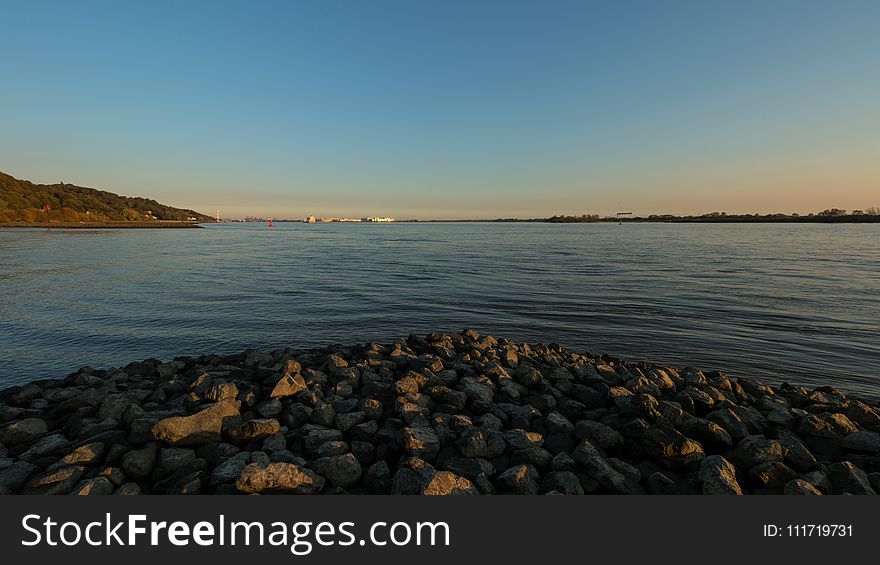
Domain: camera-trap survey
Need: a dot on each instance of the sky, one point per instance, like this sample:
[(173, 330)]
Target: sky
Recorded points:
[(428, 109)]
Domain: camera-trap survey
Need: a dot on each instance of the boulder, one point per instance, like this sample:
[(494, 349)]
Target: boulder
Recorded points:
[(138, 464), (421, 442), (670, 448), (61, 481), (800, 487), (202, 427), (23, 431), (252, 430), (343, 471), (447, 483), (520, 479), (773, 475), (288, 385), (848, 479), (863, 442), (718, 476), (281, 478)]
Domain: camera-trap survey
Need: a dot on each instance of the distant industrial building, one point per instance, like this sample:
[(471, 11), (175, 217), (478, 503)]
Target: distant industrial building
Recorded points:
[(378, 219)]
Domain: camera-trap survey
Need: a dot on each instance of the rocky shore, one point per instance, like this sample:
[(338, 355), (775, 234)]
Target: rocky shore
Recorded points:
[(457, 413)]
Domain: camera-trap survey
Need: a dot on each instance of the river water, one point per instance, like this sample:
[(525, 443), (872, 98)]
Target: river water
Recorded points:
[(796, 303)]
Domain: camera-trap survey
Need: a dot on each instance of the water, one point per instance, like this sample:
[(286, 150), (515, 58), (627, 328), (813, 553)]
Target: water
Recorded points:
[(784, 302)]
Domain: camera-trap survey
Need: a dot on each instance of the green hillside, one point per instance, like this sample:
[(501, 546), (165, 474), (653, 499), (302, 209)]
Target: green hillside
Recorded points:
[(24, 201)]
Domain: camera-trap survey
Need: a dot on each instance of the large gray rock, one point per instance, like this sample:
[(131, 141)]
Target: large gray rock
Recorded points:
[(599, 434), (229, 470), (670, 448), (252, 430), (23, 431), (847, 478), (421, 442), (281, 478), (800, 487), (563, 482), (862, 441), (718, 476), (138, 463), (14, 477), (61, 481), (603, 472), (202, 427), (772, 475), (343, 471), (520, 479)]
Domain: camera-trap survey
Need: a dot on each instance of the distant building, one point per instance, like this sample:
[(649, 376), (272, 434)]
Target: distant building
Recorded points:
[(309, 219), (378, 219)]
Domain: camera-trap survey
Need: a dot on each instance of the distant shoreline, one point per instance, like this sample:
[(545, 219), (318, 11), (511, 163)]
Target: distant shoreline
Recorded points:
[(102, 225)]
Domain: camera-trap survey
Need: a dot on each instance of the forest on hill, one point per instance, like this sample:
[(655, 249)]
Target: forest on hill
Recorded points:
[(22, 201)]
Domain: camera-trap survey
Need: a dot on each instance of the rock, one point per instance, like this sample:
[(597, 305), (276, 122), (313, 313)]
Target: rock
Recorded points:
[(216, 452), (847, 478), (88, 454), (756, 450), (229, 470), (670, 448), (773, 475), (343, 471), (420, 442), (603, 472), (128, 489), (347, 421), (862, 441), (222, 391), (288, 385), (522, 439), (323, 414), (314, 439), (23, 431), (474, 442), (824, 433), (94, 487), (269, 409), (139, 463), (796, 454), (61, 481), (378, 478), (44, 447), (659, 483), (599, 434), (447, 483), (718, 476), (563, 482), (281, 478), (14, 477), (252, 430), (730, 421), (520, 479), (173, 459), (800, 486), (114, 405), (710, 435), (331, 448), (202, 427)]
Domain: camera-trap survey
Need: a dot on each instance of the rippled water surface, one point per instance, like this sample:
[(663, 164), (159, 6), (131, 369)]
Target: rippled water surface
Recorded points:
[(786, 302)]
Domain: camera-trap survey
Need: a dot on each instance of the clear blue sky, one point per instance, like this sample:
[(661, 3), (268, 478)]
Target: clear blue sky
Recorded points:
[(448, 109)]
